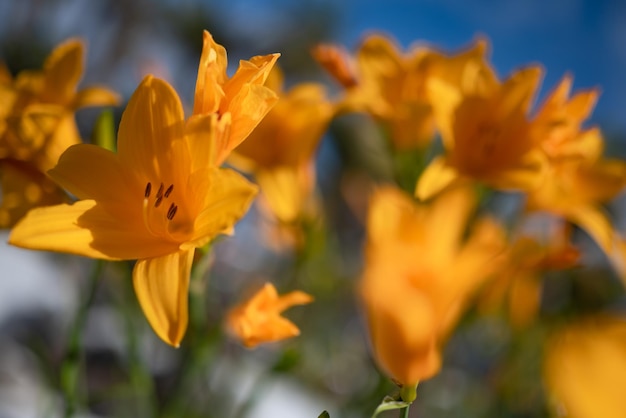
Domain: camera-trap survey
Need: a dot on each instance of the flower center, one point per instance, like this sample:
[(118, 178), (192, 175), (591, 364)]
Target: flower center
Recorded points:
[(156, 219)]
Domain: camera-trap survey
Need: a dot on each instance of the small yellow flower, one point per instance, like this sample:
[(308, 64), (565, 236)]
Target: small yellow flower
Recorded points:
[(585, 369), (280, 151), (486, 134), (37, 124), (240, 101), (419, 274), (155, 200), (258, 320)]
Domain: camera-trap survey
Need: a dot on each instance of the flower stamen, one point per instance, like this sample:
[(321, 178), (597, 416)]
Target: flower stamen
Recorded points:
[(169, 191), (172, 211)]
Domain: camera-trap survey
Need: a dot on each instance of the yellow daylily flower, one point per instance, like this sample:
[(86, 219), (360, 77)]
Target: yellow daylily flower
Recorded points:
[(37, 124), (280, 151), (240, 101), (393, 85), (579, 179), (419, 274), (258, 320), (155, 200), (486, 134), (585, 369)]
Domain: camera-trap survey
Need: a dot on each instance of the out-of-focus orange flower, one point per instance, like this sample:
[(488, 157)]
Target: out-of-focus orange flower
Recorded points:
[(585, 369), (419, 273), (557, 124), (486, 134), (37, 124), (578, 179), (238, 102), (393, 85), (280, 151), (258, 320), (519, 283), (155, 200)]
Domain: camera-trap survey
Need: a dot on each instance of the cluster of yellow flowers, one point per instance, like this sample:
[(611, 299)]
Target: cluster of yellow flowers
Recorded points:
[(428, 252)]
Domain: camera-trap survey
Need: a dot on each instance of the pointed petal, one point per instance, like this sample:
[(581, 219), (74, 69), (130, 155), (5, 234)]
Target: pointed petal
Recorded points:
[(435, 178), (255, 71), (63, 70), (519, 90), (95, 96), (211, 76), (151, 124), (86, 229), (162, 285), (229, 196)]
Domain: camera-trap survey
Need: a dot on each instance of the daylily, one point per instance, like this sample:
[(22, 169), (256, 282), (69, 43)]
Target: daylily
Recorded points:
[(37, 124), (585, 369), (579, 179), (240, 101), (486, 134), (393, 85), (258, 319), (419, 274), (280, 150), (155, 200)]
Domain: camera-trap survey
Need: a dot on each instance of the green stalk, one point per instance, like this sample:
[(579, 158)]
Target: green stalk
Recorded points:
[(71, 366)]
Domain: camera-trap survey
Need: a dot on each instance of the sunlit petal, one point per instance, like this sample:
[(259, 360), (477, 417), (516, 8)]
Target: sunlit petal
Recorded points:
[(162, 285)]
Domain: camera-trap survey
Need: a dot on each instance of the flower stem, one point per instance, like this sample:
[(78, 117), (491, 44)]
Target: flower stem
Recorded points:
[(405, 412), (71, 366)]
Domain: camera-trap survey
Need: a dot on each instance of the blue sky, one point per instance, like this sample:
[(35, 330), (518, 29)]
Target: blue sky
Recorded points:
[(584, 37)]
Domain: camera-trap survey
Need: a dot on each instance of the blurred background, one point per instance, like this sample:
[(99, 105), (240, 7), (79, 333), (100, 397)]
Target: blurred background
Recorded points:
[(329, 366)]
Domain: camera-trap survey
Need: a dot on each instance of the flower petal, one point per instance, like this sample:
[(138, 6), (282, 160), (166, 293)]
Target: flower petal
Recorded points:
[(63, 70), (228, 198), (150, 125), (85, 228), (162, 285), (435, 178), (95, 96)]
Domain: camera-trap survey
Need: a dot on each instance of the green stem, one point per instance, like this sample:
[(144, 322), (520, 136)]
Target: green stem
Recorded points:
[(405, 412), (71, 366), (140, 378)]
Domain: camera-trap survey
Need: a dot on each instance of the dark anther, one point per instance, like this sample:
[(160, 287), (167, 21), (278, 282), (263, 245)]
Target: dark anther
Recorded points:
[(148, 189), (169, 190), (159, 194), (172, 211), (158, 201)]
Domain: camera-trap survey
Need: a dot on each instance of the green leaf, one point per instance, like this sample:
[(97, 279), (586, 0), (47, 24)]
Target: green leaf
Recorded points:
[(324, 414), (388, 405)]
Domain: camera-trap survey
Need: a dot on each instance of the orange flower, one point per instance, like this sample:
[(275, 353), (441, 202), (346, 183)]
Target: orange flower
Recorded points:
[(585, 369), (393, 85), (258, 319), (486, 134), (155, 200), (419, 274), (579, 180), (37, 124), (239, 102), (280, 151)]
